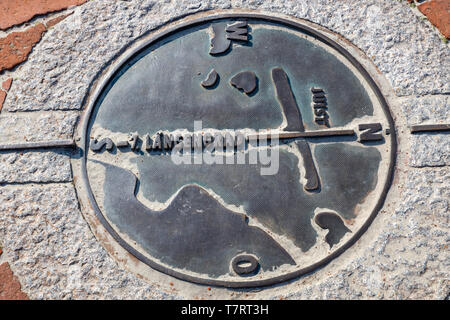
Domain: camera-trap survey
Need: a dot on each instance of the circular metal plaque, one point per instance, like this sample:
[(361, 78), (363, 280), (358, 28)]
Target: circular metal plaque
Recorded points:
[(237, 150)]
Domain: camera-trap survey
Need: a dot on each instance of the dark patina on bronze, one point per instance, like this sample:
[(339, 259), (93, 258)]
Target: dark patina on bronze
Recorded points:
[(221, 248)]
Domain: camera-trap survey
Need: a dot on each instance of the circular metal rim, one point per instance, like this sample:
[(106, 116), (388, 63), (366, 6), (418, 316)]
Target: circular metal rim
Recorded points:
[(221, 16)]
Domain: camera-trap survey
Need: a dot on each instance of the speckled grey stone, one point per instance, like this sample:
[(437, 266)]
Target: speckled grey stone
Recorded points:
[(53, 252), (428, 109), (428, 149), (32, 126), (34, 166), (70, 56)]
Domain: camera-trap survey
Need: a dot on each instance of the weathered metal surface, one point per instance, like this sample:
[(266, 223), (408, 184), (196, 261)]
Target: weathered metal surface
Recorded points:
[(225, 223)]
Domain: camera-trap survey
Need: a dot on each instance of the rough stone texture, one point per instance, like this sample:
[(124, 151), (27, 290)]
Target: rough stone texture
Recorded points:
[(410, 259), (10, 285), (428, 149), (438, 12), (13, 12), (67, 60), (32, 126), (34, 166), (16, 46), (53, 251), (428, 109)]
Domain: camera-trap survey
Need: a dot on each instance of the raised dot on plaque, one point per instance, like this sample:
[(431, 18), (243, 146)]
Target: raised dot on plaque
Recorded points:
[(245, 81), (211, 79)]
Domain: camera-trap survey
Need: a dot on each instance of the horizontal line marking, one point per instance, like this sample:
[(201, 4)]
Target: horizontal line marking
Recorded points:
[(307, 134), (430, 127), (38, 145)]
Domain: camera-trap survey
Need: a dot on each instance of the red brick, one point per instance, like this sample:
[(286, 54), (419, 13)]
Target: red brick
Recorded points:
[(438, 12), (16, 47), (7, 84), (54, 21), (14, 12), (2, 98), (10, 288)]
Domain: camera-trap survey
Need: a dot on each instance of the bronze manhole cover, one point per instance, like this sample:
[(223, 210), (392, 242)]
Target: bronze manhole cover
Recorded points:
[(237, 150)]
